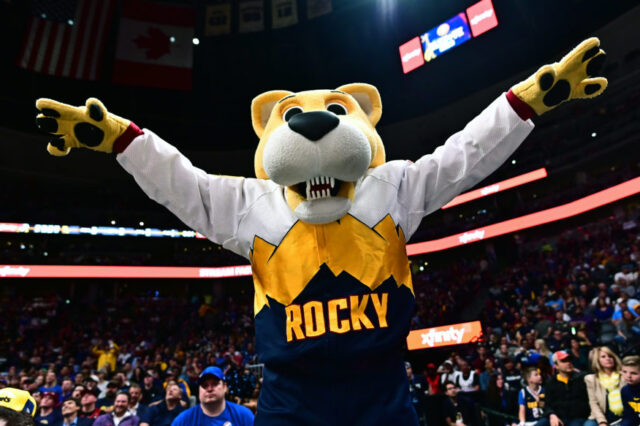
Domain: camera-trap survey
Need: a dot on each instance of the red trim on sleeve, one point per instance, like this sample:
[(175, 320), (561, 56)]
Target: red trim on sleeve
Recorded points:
[(523, 110), (125, 139)]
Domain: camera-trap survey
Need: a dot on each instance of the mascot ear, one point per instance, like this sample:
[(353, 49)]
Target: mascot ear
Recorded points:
[(368, 98), (261, 108)]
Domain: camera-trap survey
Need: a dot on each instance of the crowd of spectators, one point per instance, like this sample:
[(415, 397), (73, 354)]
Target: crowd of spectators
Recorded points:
[(584, 284), (509, 392), (152, 349), (568, 296), (565, 315), (573, 297)]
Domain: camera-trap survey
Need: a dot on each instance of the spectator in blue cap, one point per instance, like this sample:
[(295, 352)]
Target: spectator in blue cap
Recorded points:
[(213, 409)]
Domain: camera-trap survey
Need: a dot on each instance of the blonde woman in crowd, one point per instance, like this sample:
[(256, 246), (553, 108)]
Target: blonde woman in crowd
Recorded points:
[(540, 346), (603, 387)]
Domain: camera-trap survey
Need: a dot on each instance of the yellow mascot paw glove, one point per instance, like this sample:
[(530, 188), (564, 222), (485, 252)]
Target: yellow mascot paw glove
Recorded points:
[(571, 78), (90, 126)]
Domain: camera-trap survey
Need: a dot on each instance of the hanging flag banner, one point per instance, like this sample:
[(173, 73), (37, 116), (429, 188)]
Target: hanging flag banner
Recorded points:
[(155, 45), (284, 13), (317, 8), (218, 20), (66, 38), (251, 14)]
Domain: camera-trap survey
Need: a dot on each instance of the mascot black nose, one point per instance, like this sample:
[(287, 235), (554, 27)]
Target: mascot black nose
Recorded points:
[(314, 125)]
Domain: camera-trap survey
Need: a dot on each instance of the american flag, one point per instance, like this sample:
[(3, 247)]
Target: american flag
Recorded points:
[(66, 38)]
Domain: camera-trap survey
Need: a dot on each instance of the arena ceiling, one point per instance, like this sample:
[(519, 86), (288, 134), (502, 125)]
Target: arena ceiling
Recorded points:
[(357, 41)]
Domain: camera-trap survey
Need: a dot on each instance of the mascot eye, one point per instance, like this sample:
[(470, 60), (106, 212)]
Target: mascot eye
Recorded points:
[(290, 112), (337, 109)]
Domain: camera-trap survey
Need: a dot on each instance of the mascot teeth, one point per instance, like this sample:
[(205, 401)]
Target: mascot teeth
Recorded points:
[(321, 187)]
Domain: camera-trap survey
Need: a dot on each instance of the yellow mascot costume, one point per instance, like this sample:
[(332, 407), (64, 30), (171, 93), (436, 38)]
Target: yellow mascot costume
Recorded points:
[(325, 225)]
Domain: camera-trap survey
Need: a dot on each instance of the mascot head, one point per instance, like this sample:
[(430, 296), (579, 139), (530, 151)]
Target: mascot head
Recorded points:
[(317, 144)]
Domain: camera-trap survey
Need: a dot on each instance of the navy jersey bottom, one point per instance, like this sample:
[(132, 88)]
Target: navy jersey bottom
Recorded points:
[(368, 392)]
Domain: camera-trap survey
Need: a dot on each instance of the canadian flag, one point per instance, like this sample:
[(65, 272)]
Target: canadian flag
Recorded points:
[(155, 45)]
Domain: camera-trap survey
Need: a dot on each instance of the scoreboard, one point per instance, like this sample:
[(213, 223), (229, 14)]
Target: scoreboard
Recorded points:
[(445, 36), (477, 19)]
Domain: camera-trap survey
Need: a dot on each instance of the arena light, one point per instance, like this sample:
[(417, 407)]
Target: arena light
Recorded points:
[(109, 231), (446, 335), (497, 187), (590, 202), (91, 271)]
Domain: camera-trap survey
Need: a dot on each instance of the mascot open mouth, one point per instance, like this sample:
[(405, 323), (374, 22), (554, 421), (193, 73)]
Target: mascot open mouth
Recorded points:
[(318, 187), (321, 199)]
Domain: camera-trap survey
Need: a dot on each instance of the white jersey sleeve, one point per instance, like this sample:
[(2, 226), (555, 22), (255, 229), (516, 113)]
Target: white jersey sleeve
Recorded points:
[(466, 158), (212, 205)]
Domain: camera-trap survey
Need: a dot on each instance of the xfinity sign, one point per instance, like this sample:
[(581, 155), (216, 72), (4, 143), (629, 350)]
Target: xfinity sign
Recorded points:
[(482, 17), (411, 55), (447, 335)]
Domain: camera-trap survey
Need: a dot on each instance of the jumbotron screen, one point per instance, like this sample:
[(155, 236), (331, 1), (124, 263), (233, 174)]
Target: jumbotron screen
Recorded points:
[(445, 36), (477, 19)]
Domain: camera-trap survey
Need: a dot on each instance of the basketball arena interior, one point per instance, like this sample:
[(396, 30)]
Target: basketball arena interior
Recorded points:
[(105, 292)]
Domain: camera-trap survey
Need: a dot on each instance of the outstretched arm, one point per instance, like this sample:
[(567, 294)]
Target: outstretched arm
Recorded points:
[(162, 172), (488, 140)]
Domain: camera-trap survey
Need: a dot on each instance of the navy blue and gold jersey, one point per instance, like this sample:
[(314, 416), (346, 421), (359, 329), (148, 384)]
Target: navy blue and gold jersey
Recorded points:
[(631, 405), (332, 302), (533, 403)]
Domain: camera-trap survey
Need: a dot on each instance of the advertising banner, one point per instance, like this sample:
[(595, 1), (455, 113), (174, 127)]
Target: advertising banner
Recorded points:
[(590, 202), (446, 335), (411, 55), (482, 17), (498, 187)]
